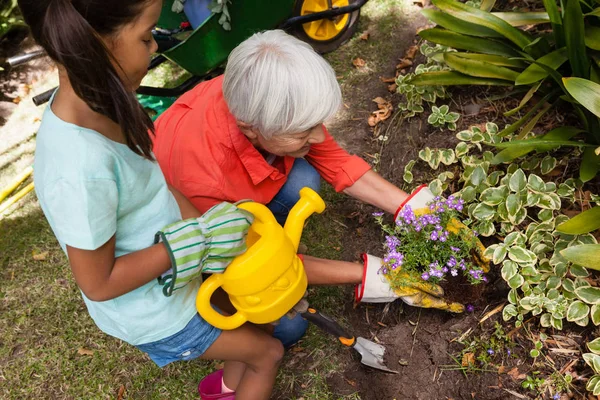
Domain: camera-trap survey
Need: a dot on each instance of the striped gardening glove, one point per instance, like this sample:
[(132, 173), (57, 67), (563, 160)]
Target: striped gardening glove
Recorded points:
[(206, 244)]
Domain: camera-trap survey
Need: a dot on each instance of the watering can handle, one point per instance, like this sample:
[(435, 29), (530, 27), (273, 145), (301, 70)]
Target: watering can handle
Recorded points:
[(207, 311)]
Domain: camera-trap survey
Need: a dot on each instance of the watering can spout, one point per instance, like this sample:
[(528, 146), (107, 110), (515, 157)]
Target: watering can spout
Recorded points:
[(309, 203)]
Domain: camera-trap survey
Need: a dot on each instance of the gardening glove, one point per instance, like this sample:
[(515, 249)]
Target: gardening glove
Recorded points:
[(419, 202), (375, 288), (205, 244)]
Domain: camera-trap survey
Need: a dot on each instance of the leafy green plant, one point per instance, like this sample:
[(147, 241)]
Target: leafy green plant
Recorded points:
[(515, 202), (532, 382), (9, 17), (442, 116), (593, 361), (493, 51), (416, 96)]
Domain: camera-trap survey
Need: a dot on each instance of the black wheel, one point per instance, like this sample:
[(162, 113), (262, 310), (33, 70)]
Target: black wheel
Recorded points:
[(325, 35)]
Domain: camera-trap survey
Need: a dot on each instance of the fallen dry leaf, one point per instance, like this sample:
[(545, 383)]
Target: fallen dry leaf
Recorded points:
[(404, 63), (16, 100), (384, 111), (85, 352), (410, 53), (392, 88), (350, 382), (468, 359), (501, 369), (514, 373), (359, 62), (365, 35), (387, 80), (121, 392), (40, 256)]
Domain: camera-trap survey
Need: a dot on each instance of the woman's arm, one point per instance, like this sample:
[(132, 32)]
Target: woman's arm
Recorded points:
[(102, 277), (330, 272), (372, 188)]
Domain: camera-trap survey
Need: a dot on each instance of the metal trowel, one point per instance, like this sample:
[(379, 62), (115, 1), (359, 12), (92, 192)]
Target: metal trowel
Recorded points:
[(371, 353)]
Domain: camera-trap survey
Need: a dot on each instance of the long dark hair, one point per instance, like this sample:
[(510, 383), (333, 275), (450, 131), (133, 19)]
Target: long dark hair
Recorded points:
[(70, 31)]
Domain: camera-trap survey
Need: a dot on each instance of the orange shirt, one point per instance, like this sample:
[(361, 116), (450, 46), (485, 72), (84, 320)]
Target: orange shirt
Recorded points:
[(205, 156)]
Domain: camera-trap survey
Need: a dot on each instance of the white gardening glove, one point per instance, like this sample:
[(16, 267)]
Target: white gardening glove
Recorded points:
[(418, 199), (375, 288)]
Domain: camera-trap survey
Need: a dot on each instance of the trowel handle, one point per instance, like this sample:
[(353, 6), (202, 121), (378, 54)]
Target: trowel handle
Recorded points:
[(207, 311), (330, 326)]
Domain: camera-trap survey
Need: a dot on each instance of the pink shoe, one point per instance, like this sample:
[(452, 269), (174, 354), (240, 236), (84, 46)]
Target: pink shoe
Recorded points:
[(210, 387)]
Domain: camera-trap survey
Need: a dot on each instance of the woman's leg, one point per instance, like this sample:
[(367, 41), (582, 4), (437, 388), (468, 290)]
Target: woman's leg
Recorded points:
[(260, 352), (302, 175)]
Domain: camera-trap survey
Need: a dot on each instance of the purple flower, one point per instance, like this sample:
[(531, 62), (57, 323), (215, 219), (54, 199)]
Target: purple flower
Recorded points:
[(434, 235), (451, 262), (490, 352), (454, 249), (377, 214), (508, 352), (470, 308), (425, 276), (445, 270), (484, 278), (556, 396), (392, 242), (475, 233)]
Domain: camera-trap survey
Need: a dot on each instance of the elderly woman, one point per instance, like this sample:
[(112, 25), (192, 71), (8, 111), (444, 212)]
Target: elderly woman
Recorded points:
[(257, 133)]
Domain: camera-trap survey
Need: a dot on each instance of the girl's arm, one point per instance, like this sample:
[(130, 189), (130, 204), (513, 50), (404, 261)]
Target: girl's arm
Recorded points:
[(372, 188), (102, 277)]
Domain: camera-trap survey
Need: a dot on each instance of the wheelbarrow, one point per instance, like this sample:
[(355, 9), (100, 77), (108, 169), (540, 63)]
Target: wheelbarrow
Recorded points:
[(202, 47)]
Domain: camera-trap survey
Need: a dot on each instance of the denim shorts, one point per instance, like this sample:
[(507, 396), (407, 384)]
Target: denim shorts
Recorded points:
[(189, 343)]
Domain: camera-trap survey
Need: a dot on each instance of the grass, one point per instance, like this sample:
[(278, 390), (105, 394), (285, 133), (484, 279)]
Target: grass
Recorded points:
[(50, 347)]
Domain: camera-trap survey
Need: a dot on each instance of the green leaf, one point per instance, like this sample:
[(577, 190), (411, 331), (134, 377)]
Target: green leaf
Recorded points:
[(594, 345), (591, 384), (516, 281), (592, 37), (456, 25), (548, 164), (517, 181), (461, 149), (499, 254), (537, 142), (577, 310), (487, 5), (408, 176), (468, 194), (509, 269), (470, 43), (500, 61), (477, 68), (588, 294), (478, 176), (534, 353), (593, 360), (450, 78), (515, 238), (447, 156), (586, 92), (584, 222), (494, 195), (484, 212), (575, 38), (587, 255), (579, 272), (595, 314), (486, 228), (436, 187), (535, 72), (524, 100), (523, 18), (545, 215), (482, 18), (509, 311), (521, 255), (590, 165), (556, 21), (513, 204)]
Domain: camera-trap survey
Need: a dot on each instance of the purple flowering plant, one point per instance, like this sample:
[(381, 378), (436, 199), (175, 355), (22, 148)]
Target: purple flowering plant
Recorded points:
[(429, 244)]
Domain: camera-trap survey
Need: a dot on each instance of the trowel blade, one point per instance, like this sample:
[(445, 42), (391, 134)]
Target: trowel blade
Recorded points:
[(372, 354)]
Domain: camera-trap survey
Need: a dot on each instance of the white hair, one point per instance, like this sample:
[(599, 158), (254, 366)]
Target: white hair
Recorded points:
[(279, 84)]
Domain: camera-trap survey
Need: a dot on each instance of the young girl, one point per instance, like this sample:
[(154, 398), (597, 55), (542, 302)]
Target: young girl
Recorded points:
[(106, 198)]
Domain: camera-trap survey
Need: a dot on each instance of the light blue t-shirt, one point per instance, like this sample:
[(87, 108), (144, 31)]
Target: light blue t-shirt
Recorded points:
[(91, 188)]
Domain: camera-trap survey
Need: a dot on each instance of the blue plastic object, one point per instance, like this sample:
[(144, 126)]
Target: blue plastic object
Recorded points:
[(197, 11)]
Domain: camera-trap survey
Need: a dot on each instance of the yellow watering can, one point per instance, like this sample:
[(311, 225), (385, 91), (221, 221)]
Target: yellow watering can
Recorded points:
[(266, 281)]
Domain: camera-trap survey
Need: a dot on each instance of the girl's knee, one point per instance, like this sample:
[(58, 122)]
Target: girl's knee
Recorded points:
[(273, 353)]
